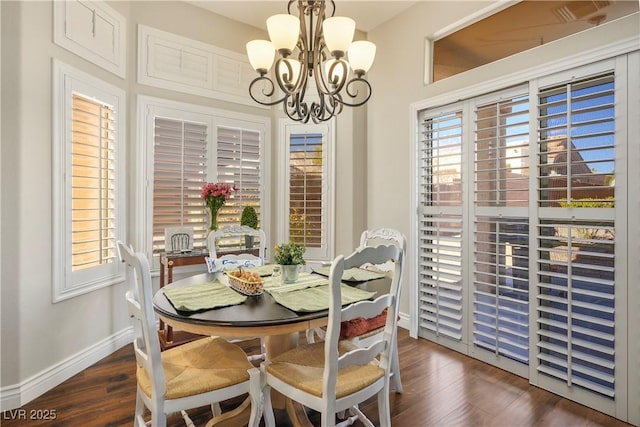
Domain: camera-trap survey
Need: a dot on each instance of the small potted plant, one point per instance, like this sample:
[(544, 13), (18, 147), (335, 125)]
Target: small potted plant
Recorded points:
[(249, 218), (290, 257)]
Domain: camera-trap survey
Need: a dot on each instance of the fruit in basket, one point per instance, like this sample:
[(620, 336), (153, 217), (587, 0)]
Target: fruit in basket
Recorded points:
[(246, 276)]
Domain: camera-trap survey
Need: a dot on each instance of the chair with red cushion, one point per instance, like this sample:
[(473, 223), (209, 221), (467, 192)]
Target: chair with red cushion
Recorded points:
[(336, 375)]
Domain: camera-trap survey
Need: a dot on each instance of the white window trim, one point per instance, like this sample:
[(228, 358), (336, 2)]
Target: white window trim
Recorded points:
[(147, 107), (66, 80), (286, 128)]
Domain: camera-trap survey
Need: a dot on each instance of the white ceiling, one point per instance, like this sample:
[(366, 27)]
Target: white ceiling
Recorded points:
[(367, 14)]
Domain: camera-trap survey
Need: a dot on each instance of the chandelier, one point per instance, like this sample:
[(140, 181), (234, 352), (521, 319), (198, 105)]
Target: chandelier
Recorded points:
[(311, 47)]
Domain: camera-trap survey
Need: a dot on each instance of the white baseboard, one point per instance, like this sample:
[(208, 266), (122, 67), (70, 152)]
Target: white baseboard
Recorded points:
[(404, 321), (17, 395)]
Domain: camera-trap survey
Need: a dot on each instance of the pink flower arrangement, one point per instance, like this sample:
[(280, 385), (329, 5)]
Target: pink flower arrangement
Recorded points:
[(217, 190), (214, 196)]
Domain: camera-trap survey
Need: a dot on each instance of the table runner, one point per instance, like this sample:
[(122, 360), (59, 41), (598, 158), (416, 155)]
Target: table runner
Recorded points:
[(203, 296), (311, 293)]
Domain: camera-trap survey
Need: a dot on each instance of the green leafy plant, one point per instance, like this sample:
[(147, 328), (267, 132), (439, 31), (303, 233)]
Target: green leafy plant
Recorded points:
[(249, 217), (289, 254)]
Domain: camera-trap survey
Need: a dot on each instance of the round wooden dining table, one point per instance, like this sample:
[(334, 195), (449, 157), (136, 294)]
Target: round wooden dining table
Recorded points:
[(258, 316)]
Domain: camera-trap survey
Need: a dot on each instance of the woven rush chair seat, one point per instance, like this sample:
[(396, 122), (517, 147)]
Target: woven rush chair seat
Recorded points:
[(198, 367), (303, 367)]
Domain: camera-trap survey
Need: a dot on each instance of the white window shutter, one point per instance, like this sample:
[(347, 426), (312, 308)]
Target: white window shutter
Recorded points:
[(180, 170), (440, 226), (238, 160), (500, 319), (576, 261)]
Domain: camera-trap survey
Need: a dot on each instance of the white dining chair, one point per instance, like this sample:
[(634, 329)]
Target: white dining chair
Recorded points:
[(371, 238), (234, 237), (199, 373), (336, 375), (237, 237)]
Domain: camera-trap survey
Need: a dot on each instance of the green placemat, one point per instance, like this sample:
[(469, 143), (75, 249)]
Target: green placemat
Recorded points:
[(312, 294), (204, 296), (353, 274)]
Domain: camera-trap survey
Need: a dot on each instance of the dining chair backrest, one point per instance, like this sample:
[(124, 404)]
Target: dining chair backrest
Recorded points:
[(140, 303), (381, 347), (383, 236), (243, 240)]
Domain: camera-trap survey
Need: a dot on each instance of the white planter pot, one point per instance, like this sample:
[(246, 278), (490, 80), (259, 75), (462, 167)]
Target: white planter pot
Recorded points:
[(290, 273)]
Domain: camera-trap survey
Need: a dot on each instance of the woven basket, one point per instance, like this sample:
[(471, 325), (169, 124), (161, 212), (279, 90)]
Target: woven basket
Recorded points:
[(245, 287)]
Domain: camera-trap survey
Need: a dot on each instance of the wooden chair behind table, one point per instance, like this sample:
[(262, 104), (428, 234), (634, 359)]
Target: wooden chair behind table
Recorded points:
[(195, 374), (336, 375)]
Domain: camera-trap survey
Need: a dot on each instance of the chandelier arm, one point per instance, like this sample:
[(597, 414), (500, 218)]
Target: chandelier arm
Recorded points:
[(337, 83), (297, 110), (265, 92), (351, 94)]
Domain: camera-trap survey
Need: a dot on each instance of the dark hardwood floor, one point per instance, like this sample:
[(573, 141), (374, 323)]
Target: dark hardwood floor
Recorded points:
[(441, 388)]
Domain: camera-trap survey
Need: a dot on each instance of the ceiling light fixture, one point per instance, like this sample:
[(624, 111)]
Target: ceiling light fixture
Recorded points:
[(311, 47)]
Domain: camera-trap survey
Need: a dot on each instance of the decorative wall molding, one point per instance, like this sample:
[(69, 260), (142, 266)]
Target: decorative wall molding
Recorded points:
[(92, 30), (173, 62)]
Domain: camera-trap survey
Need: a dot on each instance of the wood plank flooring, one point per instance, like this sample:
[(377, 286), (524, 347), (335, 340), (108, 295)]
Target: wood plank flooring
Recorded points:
[(441, 388)]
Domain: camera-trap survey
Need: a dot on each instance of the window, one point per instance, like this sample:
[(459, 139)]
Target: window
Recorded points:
[(309, 182), (239, 164), (501, 33), (88, 182), (440, 268), (522, 225), (576, 255), (180, 170), (186, 146)]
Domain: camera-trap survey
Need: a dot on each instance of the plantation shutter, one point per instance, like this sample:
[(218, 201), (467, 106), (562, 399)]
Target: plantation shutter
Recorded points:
[(180, 166), (306, 189), (440, 226), (239, 165), (577, 230), (93, 173), (501, 228)]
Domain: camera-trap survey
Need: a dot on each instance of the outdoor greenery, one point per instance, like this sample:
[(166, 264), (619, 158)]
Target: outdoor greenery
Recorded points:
[(289, 254), (249, 217)]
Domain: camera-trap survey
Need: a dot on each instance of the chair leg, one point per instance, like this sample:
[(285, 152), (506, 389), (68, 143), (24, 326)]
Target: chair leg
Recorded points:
[(139, 411), (255, 393), (395, 370), (216, 411), (267, 408), (384, 412)]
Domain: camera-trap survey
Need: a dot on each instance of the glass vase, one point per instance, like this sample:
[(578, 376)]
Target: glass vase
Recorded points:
[(213, 225)]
